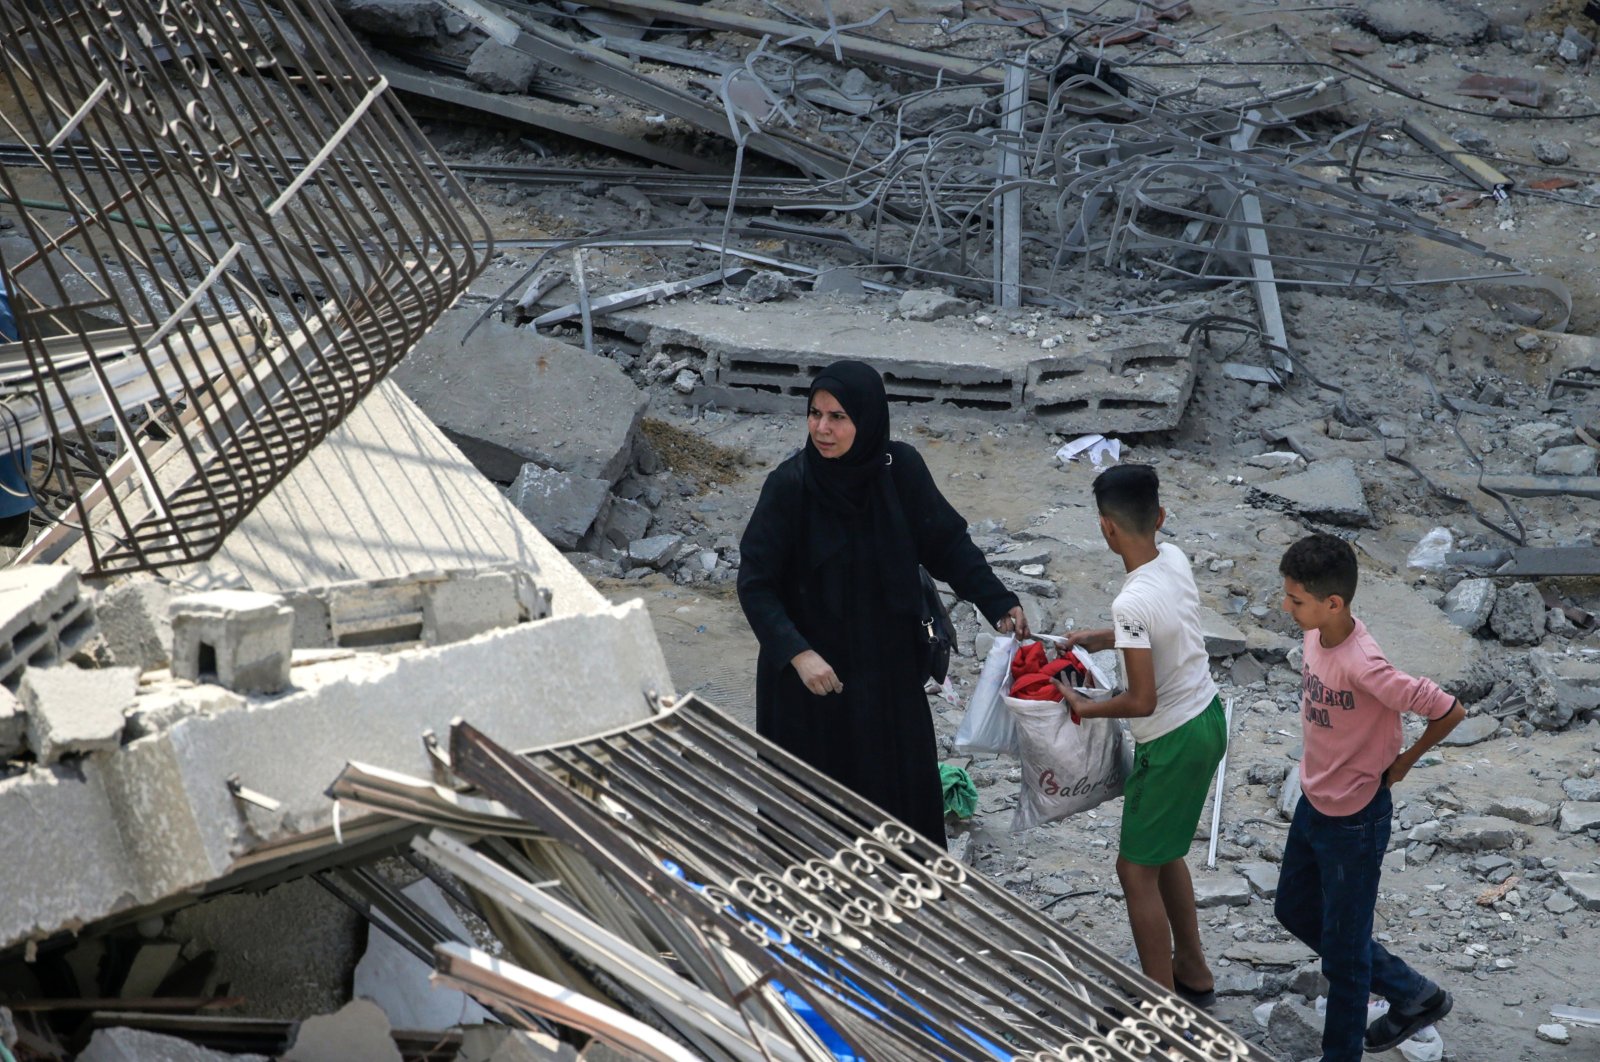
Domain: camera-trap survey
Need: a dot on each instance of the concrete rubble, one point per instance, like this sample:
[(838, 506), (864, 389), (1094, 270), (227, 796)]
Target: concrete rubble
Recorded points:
[(188, 723)]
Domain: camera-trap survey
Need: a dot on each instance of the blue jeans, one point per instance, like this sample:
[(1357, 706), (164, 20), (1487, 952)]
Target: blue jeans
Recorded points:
[(1327, 890)]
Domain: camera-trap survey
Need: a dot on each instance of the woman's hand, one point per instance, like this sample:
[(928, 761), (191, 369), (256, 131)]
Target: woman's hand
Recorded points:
[(1092, 641), (817, 674), (1014, 622)]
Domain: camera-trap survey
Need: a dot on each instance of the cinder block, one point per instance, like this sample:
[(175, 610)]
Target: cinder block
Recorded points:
[(239, 639), (76, 710), (42, 617), (31, 594), (132, 618), (13, 725), (467, 604)]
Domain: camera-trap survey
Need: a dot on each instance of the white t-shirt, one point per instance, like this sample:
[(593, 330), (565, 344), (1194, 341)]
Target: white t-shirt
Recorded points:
[(1158, 608)]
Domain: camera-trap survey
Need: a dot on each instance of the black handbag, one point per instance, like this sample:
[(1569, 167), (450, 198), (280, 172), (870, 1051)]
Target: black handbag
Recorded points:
[(937, 628)]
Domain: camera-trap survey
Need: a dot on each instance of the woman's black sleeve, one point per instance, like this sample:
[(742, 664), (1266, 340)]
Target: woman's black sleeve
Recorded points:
[(943, 545), (766, 552)]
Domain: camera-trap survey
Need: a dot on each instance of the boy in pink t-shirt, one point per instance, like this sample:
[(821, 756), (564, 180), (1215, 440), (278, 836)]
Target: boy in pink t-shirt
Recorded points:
[(1350, 706)]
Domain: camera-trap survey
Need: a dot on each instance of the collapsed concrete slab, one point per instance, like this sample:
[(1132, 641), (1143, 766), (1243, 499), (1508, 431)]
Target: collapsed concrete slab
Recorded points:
[(154, 821), (763, 359), (512, 396), (1329, 491), (385, 495), (433, 608), (1418, 638), (562, 505)]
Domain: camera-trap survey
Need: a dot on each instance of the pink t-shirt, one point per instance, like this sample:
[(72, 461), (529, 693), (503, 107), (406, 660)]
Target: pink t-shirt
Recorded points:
[(1351, 698)]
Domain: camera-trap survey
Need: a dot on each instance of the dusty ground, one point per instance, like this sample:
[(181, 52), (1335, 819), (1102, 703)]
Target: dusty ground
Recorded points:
[(1508, 959)]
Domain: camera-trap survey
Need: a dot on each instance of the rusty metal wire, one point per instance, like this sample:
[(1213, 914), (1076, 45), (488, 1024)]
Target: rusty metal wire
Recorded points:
[(246, 234)]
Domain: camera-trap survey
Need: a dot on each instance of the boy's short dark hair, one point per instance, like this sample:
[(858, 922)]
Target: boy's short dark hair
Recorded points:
[(1130, 495), (1324, 564)]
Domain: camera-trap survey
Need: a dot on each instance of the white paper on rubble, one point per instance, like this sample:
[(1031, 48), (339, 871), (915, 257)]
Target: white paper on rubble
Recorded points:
[(1097, 447)]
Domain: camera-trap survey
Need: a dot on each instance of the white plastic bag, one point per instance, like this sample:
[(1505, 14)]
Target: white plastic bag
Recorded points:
[(1428, 553), (1067, 767), (987, 726)]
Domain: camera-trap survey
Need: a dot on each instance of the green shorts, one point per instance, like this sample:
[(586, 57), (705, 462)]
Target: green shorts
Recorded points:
[(1162, 799)]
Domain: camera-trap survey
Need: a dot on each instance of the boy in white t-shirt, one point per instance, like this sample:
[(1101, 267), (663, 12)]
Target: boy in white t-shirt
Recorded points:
[(1177, 723)]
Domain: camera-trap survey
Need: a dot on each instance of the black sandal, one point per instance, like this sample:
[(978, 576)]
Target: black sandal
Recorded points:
[(1193, 996), (1392, 1029)]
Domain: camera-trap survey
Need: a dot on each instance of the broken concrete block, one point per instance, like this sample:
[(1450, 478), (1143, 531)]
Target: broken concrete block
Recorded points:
[(1568, 461), (155, 712), (239, 639), (1469, 603), (1221, 890), (1263, 878), (392, 18), (918, 305), (43, 618), (1526, 810), (1309, 981), (767, 285), (1471, 730), (1269, 953), (389, 976), (13, 725), (132, 618), (73, 710), (501, 69), (1419, 639), (1584, 887), (357, 1031), (653, 552), (1480, 833), (1222, 638), (1578, 817), (1584, 790), (468, 604), (838, 281), (1518, 615), (1289, 795), (1447, 22), (1328, 491), (513, 396), (122, 1044), (626, 522), (562, 505), (1574, 46), (1295, 1029)]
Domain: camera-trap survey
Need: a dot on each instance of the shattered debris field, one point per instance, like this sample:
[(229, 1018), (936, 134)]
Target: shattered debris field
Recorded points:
[(388, 385)]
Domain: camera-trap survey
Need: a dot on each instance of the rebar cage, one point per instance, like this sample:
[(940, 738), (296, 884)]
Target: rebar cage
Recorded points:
[(230, 231)]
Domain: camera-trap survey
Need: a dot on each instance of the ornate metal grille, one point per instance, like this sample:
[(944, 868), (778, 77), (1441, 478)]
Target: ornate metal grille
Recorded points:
[(230, 233), (762, 876)]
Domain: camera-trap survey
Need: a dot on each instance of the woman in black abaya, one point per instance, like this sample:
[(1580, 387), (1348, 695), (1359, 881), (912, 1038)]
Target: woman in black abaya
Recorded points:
[(828, 580)]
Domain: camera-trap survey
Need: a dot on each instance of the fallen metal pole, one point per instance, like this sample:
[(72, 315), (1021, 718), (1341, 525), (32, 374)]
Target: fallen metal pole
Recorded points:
[(1443, 145), (1544, 486), (1222, 780), (1008, 208), (624, 300)]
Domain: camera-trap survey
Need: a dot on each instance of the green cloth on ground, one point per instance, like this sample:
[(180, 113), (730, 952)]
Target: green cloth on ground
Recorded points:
[(960, 795)]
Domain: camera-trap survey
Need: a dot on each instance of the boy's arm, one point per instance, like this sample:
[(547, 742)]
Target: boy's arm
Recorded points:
[(1136, 702), (1093, 641), (1435, 732)]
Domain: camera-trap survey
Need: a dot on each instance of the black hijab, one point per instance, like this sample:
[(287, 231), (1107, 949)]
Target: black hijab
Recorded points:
[(860, 482), (845, 483)]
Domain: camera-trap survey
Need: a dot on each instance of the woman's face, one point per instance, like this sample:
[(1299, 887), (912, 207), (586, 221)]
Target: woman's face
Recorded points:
[(832, 430)]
